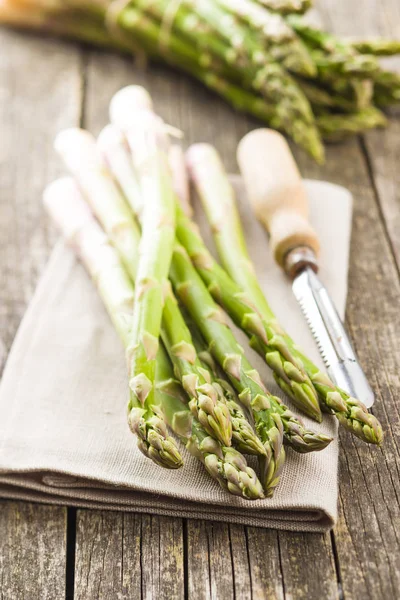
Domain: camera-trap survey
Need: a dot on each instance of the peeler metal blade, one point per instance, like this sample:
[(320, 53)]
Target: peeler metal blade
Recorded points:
[(331, 338)]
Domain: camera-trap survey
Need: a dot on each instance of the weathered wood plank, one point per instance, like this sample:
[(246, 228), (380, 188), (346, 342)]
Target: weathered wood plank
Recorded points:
[(162, 558), (107, 558), (40, 83), (39, 94), (267, 577), (367, 542), (32, 551), (366, 535), (128, 556), (209, 561), (310, 554)]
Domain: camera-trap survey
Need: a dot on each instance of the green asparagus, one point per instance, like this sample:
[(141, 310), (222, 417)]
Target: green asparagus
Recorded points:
[(232, 250), (225, 464), (70, 213), (259, 55), (301, 439)]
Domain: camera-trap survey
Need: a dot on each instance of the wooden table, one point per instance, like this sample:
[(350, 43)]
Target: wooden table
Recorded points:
[(48, 552)]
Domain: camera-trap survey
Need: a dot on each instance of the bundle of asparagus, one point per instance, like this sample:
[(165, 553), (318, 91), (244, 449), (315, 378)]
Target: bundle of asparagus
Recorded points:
[(260, 55), (186, 370)]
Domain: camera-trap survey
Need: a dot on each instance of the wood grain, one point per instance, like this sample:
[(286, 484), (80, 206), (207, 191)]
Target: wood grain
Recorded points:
[(128, 556), (32, 551), (366, 537), (39, 94)]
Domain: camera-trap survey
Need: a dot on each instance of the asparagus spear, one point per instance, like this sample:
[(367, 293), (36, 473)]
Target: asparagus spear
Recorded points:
[(335, 127), (268, 412), (231, 246), (112, 144), (79, 152), (243, 436), (206, 403), (377, 47), (300, 438), (225, 464), (69, 211), (212, 184)]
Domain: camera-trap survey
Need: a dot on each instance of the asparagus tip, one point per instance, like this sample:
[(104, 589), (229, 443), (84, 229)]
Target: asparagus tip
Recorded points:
[(128, 100)]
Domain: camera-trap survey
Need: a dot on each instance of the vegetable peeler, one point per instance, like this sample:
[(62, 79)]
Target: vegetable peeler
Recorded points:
[(279, 200)]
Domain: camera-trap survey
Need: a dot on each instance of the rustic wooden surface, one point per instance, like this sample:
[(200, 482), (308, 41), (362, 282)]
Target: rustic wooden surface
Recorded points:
[(50, 552)]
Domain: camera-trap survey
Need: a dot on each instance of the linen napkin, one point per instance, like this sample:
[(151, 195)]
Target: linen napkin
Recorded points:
[(63, 432)]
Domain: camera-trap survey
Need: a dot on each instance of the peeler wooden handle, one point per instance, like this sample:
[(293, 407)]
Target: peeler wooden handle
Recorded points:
[(276, 192)]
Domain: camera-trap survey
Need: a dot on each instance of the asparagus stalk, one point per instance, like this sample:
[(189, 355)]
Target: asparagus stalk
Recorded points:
[(335, 127), (225, 464), (212, 184), (243, 436), (112, 144), (78, 150), (155, 253), (70, 213), (300, 438), (377, 46), (268, 412), (206, 403), (80, 154), (177, 163), (231, 246)]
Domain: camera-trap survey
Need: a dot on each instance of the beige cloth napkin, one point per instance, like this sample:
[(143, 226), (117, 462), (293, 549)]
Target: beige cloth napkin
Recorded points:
[(63, 432)]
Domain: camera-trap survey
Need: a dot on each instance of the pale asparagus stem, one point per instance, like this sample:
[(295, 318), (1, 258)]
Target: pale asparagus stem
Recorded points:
[(177, 163), (78, 150), (217, 197), (226, 465), (233, 252), (69, 211), (113, 146)]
